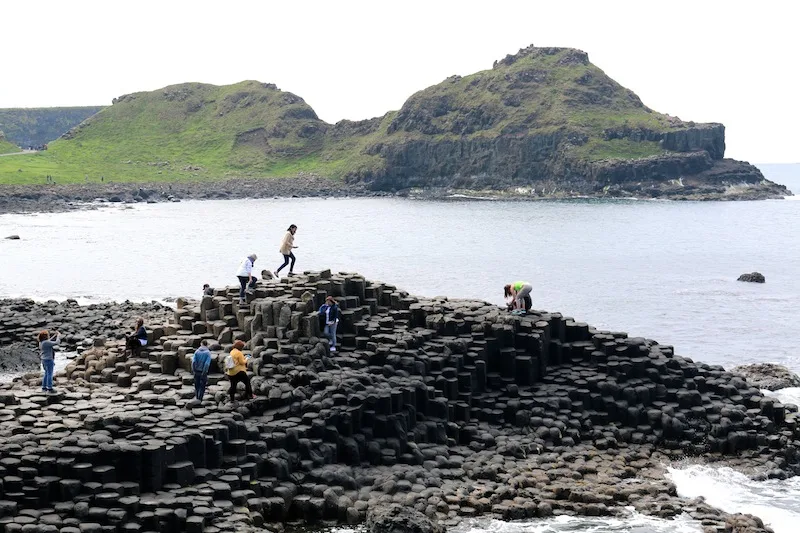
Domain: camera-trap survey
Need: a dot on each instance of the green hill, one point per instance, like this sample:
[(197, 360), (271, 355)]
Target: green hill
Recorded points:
[(34, 127), (543, 118), (7, 147)]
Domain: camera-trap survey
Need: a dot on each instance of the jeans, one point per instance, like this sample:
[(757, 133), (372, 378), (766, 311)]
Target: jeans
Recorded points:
[(286, 259), (200, 382), (244, 285), (47, 380), (330, 332), (235, 379)]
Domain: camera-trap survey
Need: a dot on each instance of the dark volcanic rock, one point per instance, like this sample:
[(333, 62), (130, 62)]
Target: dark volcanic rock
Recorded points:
[(13, 237), (752, 277), (398, 519), (18, 357), (768, 376)]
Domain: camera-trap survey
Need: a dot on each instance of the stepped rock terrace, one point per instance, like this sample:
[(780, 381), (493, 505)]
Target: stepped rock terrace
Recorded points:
[(454, 408)]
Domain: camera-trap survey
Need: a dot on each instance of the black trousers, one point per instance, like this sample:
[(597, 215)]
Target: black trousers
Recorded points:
[(286, 259), (244, 378)]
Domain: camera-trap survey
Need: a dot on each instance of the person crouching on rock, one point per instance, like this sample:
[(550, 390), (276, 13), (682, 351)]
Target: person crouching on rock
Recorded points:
[(46, 344), (139, 339), (245, 274), (236, 368), (329, 320), (208, 290), (287, 245), (520, 294), (201, 362)]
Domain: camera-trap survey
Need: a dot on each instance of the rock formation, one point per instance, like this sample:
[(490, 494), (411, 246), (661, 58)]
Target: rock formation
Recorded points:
[(752, 277), (452, 408), (545, 120), (768, 376)]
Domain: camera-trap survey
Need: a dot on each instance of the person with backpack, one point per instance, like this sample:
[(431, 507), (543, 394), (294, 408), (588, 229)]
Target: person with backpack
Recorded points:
[(236, 368), (46, 346), (287, 245), (201, 362), (245, 275), (329, 320)]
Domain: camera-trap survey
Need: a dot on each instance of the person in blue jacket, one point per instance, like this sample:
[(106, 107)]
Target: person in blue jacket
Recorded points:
[(201, 362), (329, 319)]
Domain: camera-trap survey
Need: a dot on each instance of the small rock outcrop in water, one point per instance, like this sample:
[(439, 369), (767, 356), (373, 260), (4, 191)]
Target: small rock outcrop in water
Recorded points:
[(752, 277), (399, 519), (13, 237), (453, 408), (768, 376)]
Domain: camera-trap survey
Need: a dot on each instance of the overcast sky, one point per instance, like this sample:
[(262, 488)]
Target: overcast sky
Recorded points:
[(720, 61)]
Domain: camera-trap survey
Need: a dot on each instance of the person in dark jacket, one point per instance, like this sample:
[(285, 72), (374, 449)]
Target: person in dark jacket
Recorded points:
[(201, 362), (329, 320), (139, 338)]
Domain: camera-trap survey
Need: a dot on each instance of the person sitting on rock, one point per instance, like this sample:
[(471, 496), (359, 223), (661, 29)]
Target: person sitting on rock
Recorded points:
[(287, 245), (208, 290), (520, 294), (245, 274), (46, 345), (201, 362), (139, 339), (329, 320), (236, 368)]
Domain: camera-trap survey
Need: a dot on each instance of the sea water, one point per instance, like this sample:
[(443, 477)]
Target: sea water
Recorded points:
[(658, 269)]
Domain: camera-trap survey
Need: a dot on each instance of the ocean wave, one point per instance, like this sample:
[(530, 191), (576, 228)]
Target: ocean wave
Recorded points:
[(632, 522), (776, 502)]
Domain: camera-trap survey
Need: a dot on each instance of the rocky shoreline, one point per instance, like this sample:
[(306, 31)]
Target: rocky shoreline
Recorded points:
[(452, 408), (57, 198)]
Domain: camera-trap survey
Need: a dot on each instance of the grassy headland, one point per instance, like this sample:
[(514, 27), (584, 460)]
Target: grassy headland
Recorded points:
[(197, 131)]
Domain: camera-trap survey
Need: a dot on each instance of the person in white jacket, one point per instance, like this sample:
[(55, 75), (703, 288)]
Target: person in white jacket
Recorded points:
[(245, 274)]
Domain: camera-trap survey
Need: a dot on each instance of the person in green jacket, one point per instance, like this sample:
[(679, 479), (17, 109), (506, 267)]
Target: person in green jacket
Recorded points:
[(520, 294)]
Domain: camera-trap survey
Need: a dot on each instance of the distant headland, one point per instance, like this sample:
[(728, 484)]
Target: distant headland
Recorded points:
[(543, 123)]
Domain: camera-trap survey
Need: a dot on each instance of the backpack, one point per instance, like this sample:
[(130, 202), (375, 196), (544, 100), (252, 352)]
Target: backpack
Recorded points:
[(229, 363)]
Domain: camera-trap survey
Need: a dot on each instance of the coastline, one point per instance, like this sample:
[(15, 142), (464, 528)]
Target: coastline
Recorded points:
[(426, 405), (59, 198)]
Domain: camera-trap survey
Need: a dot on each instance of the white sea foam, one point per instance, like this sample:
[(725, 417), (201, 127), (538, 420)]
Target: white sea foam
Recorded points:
[(776, 502), (633, 522)]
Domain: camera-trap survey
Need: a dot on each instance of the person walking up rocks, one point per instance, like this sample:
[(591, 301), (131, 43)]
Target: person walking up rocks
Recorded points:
[(245, 275), (236, 368), (329, 320), (46, 345), (201, 362), (287, 245)]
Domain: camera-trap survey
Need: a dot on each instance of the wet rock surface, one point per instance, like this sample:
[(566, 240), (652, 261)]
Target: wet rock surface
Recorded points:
[(768, 376), (399, 519), (18, 357), (752, 277), (451, 408)]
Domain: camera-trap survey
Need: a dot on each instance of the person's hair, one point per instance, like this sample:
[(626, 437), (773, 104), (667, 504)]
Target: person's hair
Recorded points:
[(139, 322), (292, 226), (507, 291), (206, 285), (331, 298), (204, 342), (238, 345), (43, 335)]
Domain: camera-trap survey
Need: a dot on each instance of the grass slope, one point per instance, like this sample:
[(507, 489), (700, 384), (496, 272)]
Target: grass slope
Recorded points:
[(250, 129), (7, 147), (38, 126)]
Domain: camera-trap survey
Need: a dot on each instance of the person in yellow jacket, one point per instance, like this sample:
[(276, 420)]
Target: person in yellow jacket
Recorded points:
[(236, 368), (287, 245)]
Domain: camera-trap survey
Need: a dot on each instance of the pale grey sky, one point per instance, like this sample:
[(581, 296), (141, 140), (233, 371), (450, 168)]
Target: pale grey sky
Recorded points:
[(702, 60)]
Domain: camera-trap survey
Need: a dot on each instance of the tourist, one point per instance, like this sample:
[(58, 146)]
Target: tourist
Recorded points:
[(236, 368), (286, 249), (520, 294), (329, 316), (46, 344), (201, 362), (245, 274), (139, 339), (208, 290)]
